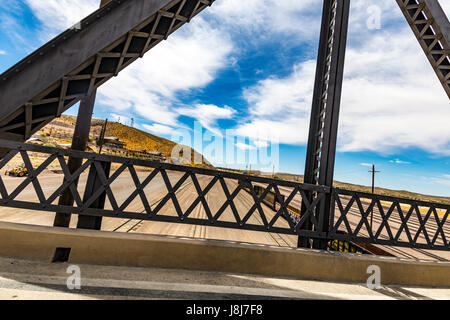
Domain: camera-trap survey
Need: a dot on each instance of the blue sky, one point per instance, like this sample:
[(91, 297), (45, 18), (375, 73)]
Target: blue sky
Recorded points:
[(248, 67)]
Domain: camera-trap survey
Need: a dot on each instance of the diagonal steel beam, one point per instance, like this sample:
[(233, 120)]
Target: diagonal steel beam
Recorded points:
[(73, 65), (431, 27)]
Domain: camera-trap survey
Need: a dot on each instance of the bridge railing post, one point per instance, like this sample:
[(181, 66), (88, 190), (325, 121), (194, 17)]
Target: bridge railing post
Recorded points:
[(94, 182)]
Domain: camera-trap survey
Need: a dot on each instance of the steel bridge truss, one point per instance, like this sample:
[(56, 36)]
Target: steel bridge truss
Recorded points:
[(102, 45), (55, 92), (432, 29), (397, 222)]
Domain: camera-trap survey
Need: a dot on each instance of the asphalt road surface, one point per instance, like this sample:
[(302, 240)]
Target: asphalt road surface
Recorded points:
[(31, 280)]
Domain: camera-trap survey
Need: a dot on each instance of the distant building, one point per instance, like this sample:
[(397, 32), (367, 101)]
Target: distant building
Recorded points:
[(114, 146), (146, 155), (69, 145)]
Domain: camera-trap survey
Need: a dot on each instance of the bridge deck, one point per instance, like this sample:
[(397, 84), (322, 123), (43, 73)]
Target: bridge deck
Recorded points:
[(215, 198), (21, 280)]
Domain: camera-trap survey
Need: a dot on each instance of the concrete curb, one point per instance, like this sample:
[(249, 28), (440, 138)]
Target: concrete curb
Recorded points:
[(137, 250)]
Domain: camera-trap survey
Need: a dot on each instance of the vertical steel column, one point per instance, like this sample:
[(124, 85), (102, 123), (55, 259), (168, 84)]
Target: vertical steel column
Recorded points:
[(320, 157), (79, 142), (93, 184)]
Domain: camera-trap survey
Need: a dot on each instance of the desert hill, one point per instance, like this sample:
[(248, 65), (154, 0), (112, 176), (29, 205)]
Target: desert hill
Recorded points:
[(60, 132)]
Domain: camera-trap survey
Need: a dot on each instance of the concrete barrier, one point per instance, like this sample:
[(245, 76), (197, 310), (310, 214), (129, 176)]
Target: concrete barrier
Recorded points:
[(119, 249)]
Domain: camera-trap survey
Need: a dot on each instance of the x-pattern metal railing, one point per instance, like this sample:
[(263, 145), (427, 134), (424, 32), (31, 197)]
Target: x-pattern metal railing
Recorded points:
[(355, 217), (243, 217), (388, 220)]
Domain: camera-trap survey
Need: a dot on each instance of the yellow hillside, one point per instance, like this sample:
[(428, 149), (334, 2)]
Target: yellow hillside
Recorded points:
[(134, 138)]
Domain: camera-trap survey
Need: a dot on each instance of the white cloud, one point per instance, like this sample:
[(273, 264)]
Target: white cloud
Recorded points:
[(150, 86), (158, 129), (244, 146), (288, 131), (280, 107), (261, 143), (443, 180), (208, 115), (268, 16), (391, 99), (58, 15), (12, 28), (398, 161), (2, 52), (184, 62), (120, 118), (367, 165), (291, 95), (445, 6)]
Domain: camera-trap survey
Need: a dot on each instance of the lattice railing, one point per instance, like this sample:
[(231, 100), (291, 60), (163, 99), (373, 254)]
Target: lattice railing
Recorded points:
[(148, 190), (384, 220), (153, 191)]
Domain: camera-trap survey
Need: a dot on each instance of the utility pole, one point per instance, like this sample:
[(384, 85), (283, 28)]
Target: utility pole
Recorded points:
[(373, 171), (102, 136)]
